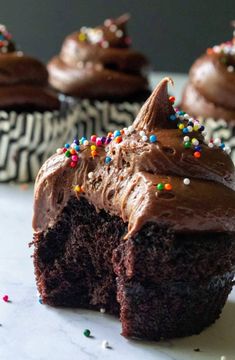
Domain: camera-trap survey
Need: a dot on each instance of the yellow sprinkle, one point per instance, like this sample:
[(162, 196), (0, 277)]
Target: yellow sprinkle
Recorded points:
[(93, 147), (77, 188), (181, 126), (82, 37), (196, 127)]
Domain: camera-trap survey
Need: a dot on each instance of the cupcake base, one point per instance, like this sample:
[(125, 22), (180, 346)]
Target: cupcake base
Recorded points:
[(101, 116), (163, 284), (28, 139)]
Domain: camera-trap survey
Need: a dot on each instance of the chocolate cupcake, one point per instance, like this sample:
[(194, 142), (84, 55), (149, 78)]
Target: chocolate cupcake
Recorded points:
[(210, 92), (97, 67), (31, 121), (144, 227)]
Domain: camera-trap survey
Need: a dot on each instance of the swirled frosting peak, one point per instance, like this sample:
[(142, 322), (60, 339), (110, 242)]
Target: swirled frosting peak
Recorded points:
[(210, 91), (99, 63), (149, 172)]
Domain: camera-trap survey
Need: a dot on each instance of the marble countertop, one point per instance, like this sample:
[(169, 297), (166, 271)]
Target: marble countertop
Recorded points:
[(31, 331)]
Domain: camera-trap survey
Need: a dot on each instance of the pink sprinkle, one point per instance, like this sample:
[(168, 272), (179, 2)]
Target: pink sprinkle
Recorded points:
[(93, 138), (5, 298), (98, 142), (75, 158)]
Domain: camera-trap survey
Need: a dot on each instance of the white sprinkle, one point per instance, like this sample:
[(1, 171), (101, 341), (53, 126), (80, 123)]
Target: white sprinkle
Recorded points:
[(144, 138), (90, 175), (223, 357), (105, 44), (217, 141), (102, 310), (191, 119), (204, 133), (142, 133), (126, 132), (113, 28), (181, 117), (186, 181), (83, 29), (190, 128), (230, 68), (59, 151), (105, 344), (210, 145), (119, 33), (227, 149), (131, 129), (107, 22), (85, 142), (186, 116)]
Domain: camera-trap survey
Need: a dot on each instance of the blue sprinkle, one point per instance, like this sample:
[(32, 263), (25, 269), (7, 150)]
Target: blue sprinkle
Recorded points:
[(67, 146), (222, 146), (152, 138), (103, 139), (107, 159), (190, 123), (116, 133), (40, 300), (181, 113), (82, 140), (76, 141), (197, 148), (77, 147), (172, 117), (185, 130), (202, 128)]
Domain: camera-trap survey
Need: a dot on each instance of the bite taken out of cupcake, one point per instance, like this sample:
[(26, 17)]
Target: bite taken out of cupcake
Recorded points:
[(31, 122), (103, 74), (141, 224), (210, 91)]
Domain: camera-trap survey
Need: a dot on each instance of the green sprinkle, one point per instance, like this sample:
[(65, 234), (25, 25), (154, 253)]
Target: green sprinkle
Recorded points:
[(160, 186), (86, 332), (187, 144), (68, 153)]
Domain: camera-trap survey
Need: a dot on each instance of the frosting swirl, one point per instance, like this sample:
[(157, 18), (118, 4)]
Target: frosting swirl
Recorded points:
[(210, 91), (23, 79), (148, 172), (98, 63)]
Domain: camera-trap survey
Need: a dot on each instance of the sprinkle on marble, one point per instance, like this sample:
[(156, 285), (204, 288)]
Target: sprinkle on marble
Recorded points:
[(5, 298), (87, 333), (105, 344), (197, 350), (40, 300), (102, 310), (223, 357)]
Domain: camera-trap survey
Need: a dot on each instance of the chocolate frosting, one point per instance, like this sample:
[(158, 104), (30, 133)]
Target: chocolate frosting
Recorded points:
[(23, 81), (142, 175), (210, 91), (97, 63)]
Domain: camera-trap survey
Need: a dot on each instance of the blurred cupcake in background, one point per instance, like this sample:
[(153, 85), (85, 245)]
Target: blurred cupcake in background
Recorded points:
[(210, 92), (104, 77), (31, 121)]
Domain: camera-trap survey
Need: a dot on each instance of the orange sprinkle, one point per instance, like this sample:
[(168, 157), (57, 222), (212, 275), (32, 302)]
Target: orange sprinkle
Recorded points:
[(118, 139), (94, 153), (72, 151), (209, 51), (168, 187), (197, 154)]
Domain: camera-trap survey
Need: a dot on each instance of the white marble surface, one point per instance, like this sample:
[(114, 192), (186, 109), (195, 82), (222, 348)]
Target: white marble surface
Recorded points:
[(31, 331)]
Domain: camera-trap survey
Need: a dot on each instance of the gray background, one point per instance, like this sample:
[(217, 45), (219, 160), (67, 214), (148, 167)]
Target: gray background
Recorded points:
[(171, 33)]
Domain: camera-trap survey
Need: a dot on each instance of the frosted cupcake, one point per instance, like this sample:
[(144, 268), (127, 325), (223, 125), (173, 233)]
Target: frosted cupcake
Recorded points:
[(210, 92), (32, 122), (97, 68)]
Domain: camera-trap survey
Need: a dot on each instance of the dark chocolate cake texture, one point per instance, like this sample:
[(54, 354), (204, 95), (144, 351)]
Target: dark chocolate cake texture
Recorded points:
[(140, 222)]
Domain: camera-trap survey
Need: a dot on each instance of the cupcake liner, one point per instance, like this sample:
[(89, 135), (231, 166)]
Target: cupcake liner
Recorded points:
[(221, 129), (28, 139), (100, 117)]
